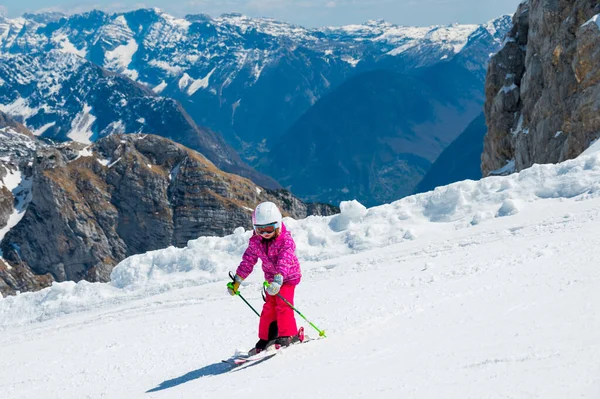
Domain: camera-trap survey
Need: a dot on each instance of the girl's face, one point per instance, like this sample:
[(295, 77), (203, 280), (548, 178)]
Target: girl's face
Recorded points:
[(268, 236), (266, 231)]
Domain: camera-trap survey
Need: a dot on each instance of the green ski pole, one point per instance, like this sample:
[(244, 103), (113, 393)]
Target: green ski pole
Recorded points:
[(321, 332), (244, 299), (230, 285)]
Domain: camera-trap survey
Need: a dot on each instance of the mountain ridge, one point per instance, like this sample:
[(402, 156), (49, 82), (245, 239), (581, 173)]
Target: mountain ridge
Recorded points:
[(221, 68), (375, 150)]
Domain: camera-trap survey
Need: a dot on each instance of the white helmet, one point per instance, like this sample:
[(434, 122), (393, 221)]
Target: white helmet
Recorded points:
[(266, 213)]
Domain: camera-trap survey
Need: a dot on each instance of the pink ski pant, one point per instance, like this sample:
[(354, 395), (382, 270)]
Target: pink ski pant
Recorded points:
[(275, 309)]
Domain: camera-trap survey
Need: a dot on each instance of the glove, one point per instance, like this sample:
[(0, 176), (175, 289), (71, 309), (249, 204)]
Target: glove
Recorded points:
[(275, 286), (233, 286)]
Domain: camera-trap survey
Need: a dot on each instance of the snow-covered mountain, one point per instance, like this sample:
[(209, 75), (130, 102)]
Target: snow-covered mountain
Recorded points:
[(62, 96), (246, 78), (475, 290)]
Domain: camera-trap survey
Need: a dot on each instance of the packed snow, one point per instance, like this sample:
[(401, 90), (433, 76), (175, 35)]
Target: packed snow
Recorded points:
[(505, 170), (82, 126), (20, 107), (199, 83), (160, 87), (120, 58), (593, 20), (66, 46), (42, 129), (170, 69), (479, 289)]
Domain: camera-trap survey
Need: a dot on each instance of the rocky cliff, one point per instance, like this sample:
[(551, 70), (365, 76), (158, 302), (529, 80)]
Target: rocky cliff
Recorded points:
[(7, 122), (90, 207), (542, 91), (17, 147)]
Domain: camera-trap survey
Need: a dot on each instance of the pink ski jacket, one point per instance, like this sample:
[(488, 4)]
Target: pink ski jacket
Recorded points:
[(278, 257)]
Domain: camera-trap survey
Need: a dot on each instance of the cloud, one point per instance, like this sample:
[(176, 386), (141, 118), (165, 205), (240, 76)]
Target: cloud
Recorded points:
[(3, 10), (330, 4)]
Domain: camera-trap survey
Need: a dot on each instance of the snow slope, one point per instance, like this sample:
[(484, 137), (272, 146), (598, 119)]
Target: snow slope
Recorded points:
[(483, 289)]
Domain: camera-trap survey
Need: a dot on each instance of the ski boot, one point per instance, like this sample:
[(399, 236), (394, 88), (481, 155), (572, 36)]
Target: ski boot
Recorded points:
[(262, 344), (282, 342)]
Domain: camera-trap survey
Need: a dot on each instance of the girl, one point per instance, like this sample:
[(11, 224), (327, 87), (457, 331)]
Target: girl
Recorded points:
[(273, 244)]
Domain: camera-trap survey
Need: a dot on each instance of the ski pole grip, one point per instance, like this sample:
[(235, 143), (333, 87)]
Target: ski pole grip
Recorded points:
[(232, 288)]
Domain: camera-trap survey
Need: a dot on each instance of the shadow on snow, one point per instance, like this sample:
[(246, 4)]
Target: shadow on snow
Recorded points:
[(211, 369)]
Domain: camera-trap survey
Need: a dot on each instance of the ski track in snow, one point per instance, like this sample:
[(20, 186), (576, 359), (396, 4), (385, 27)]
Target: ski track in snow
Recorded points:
[(507, 308)]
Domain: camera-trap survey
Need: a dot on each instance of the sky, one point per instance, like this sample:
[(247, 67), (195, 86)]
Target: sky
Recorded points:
[(308, 13), (479, 289)]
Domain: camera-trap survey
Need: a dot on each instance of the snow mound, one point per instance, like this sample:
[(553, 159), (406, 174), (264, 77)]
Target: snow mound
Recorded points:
[(355, 229)]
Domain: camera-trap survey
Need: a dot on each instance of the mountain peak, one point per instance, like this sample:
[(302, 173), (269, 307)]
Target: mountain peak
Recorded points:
[(198, 18), (91, 13), (233, 15), (377, 22), (45, 17), (502, 23)]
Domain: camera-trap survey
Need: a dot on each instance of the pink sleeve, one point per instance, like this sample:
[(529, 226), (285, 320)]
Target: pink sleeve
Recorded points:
[(249, 259), (287, 258)]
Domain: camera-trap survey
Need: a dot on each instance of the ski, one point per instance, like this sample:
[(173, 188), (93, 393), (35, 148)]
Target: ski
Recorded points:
[(245, 358), (242, 358)]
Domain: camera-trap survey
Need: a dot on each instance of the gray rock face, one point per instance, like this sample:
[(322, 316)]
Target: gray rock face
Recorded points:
[(6, 202), (17, 278), (542, 92), (7, 122), (124, 195), (17, 146)]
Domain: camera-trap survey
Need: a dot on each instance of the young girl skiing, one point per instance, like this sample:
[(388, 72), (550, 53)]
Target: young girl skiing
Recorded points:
[(273, 244)]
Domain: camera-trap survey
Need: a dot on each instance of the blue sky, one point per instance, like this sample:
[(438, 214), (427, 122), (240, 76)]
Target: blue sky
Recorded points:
[(309, 13)]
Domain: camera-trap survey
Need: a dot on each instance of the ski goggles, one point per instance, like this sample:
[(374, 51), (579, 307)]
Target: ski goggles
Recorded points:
[(265, 228)]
